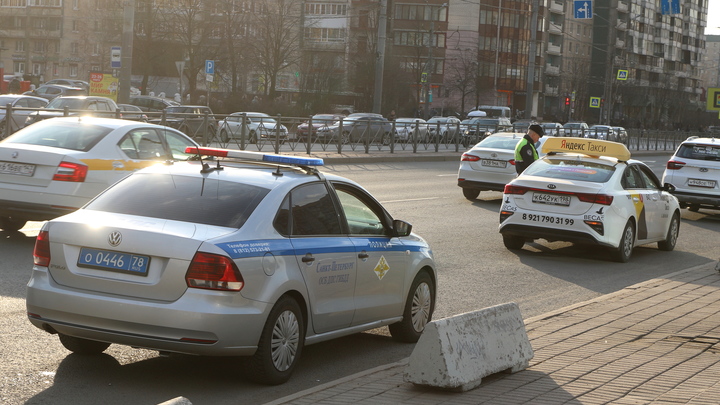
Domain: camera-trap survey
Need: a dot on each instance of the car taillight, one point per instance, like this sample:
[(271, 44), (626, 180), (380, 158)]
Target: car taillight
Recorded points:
[(69, 171), (510, 189), (469, 158), (602, 199), (512, 162), (214, 272), (675, 165), (41, 252)]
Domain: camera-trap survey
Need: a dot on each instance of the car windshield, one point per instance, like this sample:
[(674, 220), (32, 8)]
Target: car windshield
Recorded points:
[(571, 169), (572, 125), (499, 142), (324, 117), (71, 103), (182, 198), (436, 120), (66, 135), (699, 151), (5, 100), (263, 120)]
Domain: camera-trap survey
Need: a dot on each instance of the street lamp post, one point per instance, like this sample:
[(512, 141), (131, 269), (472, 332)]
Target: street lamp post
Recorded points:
[(430, 66)]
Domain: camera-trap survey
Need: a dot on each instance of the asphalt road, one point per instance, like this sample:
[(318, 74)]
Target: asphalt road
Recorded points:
[(475, 271)]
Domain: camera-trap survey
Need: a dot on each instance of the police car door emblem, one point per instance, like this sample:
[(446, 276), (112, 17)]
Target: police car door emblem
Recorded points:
[(381, 268), (115, 238)]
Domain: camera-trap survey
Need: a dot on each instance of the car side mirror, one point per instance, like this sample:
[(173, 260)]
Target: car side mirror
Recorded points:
[(401, 228), (668, 187)]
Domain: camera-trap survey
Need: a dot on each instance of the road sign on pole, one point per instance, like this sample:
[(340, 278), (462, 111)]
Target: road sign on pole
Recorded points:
[(115, 57), (594, 102), (583, 9), (670, 7), (622, 74), (210, 67)]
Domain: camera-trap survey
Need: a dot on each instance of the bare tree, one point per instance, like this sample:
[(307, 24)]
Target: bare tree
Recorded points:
[(276, 26), (462, 74)]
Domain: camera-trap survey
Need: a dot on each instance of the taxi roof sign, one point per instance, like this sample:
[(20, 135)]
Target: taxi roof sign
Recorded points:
[(255, 156), (590, 147)]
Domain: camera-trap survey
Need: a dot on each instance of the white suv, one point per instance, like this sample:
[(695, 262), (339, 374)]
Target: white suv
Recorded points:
[(694, 173)]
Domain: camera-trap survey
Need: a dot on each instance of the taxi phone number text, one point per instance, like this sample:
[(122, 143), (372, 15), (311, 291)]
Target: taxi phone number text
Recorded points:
[(547, 218)]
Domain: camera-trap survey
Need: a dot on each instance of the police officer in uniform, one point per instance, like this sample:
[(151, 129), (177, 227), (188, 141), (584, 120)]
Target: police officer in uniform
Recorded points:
[(525, 152)]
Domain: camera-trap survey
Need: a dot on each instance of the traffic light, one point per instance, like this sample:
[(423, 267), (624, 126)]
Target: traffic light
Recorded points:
[(602, 102), (567, 100)]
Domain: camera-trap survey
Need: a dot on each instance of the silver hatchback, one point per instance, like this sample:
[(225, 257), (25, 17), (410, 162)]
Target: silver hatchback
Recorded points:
[(251, 258)]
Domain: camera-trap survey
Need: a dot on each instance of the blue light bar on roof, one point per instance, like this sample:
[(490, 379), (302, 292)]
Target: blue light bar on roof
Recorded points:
[(293, 160)]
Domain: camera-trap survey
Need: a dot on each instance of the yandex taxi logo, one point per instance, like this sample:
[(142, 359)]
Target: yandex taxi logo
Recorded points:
[(590, 147)]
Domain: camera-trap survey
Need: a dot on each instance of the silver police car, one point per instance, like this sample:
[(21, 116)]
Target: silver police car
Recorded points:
[(247, 254)]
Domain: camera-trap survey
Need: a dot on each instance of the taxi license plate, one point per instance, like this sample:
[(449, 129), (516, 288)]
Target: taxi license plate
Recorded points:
[(552, 199), (493, 163), (701, 183), (17, 168), (114, 261)]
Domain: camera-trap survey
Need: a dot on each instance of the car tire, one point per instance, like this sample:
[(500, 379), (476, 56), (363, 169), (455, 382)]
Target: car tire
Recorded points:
[(224, 136), (419, 306), (471, 193), (345, 138), (672, 234), (10, 224), (281, 344), (513, 242), (693, 207), (626, 245), (82, 346), (253, 137)]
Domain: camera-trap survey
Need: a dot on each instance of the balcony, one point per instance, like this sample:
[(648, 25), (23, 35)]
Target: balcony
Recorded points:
[(622, 7), (551, 91), (554, 49), (621, 25), (556, 7), (619, 43), (555, 28), (552, 70)]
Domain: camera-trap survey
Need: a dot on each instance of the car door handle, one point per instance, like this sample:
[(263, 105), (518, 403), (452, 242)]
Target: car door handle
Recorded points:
[(363, 255), (308, 258)]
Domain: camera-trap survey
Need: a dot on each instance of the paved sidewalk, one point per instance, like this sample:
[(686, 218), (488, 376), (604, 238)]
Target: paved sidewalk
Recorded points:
[(657, 342)]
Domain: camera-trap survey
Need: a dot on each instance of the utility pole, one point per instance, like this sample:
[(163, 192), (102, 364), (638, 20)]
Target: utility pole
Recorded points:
[(531, 65), (380, 57), (127, 49)]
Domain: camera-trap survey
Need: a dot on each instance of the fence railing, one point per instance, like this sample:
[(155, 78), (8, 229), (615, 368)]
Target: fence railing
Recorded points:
[(254, 131)]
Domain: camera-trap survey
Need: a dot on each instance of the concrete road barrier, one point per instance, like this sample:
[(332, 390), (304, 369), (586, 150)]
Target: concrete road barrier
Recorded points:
[(457, 352)]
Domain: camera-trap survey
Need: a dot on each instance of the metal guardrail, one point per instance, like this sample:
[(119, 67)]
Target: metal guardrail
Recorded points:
[(346, 135)]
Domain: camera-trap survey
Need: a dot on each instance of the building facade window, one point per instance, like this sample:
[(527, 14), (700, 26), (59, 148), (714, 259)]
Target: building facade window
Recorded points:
[(13, 3), (325, 9), (325, 34), (19, 46), (73, 70), (19, 67)]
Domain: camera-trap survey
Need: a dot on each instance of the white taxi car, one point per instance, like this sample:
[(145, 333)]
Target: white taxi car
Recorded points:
[(694, 173), (57, 165), (490, 165), (590, 192), (256, 258)]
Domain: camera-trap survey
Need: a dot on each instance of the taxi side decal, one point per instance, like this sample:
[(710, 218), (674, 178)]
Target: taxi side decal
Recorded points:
[(284, 247), (118, 164), (639, 203)]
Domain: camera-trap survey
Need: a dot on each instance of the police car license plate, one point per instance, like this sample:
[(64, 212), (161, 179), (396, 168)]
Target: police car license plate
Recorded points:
[(493, 163), (701, 183), (17, 168), (114, 261), (552, 199)]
